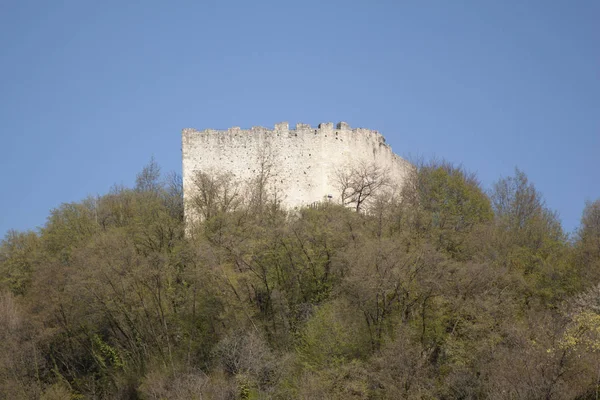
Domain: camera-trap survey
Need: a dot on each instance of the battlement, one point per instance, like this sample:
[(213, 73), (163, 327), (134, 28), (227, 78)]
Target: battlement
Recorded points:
[(325, 128)]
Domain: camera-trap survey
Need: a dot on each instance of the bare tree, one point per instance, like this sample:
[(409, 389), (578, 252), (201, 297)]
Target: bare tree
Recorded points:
[(214, 193), (516, 200), (149, 179), (261, 189), (174, 195), (590, 222), (360, 182)]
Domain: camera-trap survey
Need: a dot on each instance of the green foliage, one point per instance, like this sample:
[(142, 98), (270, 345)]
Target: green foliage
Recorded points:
[(105, 355), (440, 291), (450, 204), (587, 247), (529, 239), (332, 336), (18, 258), (68, 226)]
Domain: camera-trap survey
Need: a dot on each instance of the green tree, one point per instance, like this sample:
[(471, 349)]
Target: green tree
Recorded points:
[(445, 203), (529, 239), (19, 254), (588, 244)]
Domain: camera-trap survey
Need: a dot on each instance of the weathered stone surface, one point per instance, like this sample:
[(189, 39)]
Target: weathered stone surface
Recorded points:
[(304, 160)]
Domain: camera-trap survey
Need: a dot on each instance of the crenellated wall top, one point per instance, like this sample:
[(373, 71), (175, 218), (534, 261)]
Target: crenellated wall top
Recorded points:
[(284, 128)]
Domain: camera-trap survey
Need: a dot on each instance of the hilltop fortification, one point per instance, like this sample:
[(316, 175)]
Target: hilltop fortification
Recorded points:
[(304, 162)]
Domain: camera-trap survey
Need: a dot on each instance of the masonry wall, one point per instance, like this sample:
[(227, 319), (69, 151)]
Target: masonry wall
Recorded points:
[(304, 160)]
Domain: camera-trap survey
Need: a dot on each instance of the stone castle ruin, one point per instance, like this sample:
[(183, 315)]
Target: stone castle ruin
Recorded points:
[(305, 165)]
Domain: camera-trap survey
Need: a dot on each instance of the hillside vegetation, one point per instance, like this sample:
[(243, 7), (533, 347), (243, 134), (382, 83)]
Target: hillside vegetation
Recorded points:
[(442, 291)]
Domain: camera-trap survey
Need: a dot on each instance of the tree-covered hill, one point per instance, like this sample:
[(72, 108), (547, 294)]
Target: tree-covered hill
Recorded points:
[(437, 291)]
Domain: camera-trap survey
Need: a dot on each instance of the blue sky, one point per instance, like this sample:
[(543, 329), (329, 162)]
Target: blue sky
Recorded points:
[(90, 90)]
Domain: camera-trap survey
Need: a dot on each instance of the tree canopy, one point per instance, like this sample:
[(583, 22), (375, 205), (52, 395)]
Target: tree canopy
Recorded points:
[(438, 289)]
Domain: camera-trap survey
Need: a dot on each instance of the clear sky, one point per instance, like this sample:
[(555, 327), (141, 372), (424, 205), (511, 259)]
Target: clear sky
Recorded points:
[(90, 90)]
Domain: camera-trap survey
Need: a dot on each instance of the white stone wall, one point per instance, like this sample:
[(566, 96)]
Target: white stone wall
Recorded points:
[(304, 160)]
